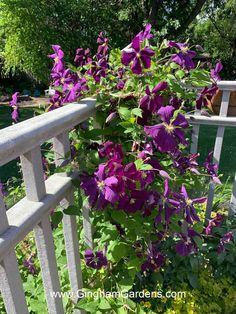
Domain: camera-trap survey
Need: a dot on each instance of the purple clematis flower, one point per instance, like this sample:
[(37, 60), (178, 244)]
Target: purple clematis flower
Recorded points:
[(211, 168), (56, 101), (152, 101), (212, 223), (103, 44), (137, 56), (74, 90), (28, 263), (146, 33), (61, 78), (215, 72), (133, 202), (111, 151), (82, 57), (184, 163), (175, 102), (57, 56), (15, 107), (98, 68), (187, 205), (168, 134), (184, 56), (100, 188), (155, 259), (205, 96), (95, 260), (186, 245), (226, 239)]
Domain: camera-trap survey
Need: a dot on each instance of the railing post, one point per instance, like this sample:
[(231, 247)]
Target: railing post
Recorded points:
[(10, 284), (32, 168), (61, 146)]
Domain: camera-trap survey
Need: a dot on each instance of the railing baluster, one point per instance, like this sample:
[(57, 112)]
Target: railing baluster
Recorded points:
[(61, 145), (218, 148), (10, 284), (195, 135), (32, 168)]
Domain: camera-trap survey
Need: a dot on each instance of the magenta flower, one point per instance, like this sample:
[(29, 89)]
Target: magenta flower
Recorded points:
[(211, 168), (56, 101), (152, 101), (155, 259), (61, 78), (212, 223), (15, 107), (226, 239), (98, 68), (103, 44), (184, 56), (186, 245), (100, 188), (74, 90), (215, 72), (57, 56), (185, 163), (95, 260), (187, 205), (205, 96), (167, 135), (146, 33), (137, 56), (133, 202), (111, 151), (82, 57), (28, 263)]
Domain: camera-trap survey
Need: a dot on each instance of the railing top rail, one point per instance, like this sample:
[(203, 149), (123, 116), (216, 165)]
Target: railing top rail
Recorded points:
[(212, 120), (20, 138), (227, 85)]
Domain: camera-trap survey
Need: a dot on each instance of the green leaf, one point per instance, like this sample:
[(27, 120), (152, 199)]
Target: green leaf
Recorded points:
[(126, 283), (146, 167), (119, 216), (118, 250), (104, 304), (137, 112), (124, 113), (193, 280), (89, 306), (72, 210), (56, 218)]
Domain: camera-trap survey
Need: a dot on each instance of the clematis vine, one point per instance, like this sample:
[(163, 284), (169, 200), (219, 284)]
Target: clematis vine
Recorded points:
[(186, 245), (167, 135), (185, 163), (82, 57), (226, 239), (215, 72), (137, 56), (212, 168), (184, 56), (102, 44), (154, 261), (212, 223)]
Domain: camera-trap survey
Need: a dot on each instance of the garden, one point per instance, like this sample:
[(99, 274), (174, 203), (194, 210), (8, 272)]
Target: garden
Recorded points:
[(156, 246)]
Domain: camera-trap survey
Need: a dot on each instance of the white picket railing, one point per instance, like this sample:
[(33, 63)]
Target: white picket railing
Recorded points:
[(32, 212)]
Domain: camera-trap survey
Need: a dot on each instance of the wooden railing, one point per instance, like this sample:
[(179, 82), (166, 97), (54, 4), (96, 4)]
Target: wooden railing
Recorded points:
[(32, 212)]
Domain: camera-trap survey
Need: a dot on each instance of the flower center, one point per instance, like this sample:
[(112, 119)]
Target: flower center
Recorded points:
[(101, 184), (184, 50), (132, 201), (189, 202), (56, 59), (169, 128)]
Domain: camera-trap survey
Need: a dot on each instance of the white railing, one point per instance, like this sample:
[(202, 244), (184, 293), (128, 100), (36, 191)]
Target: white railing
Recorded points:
[(32, 212)]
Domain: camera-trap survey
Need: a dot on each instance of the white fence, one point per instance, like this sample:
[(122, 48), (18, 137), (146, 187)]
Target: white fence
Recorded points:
[(32, 212)]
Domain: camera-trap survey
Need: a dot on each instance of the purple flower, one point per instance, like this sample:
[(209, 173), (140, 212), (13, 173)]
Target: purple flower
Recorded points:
[(186, 245), (111, 151), (133, 202), (103, 44), (175, 102), (211, 168), (95, 260), (100, 188), (15, 107), (184, 163), (146, 33), (98, 68), (215, 72), (137, 56), (212, 223), (61, 78), (184, 56), (152, 101), (155, 259), (168, 134), (57, 56), (205, 96), (56, 101), (82, 57), (187, 205), (28, 263), (226, 239)]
